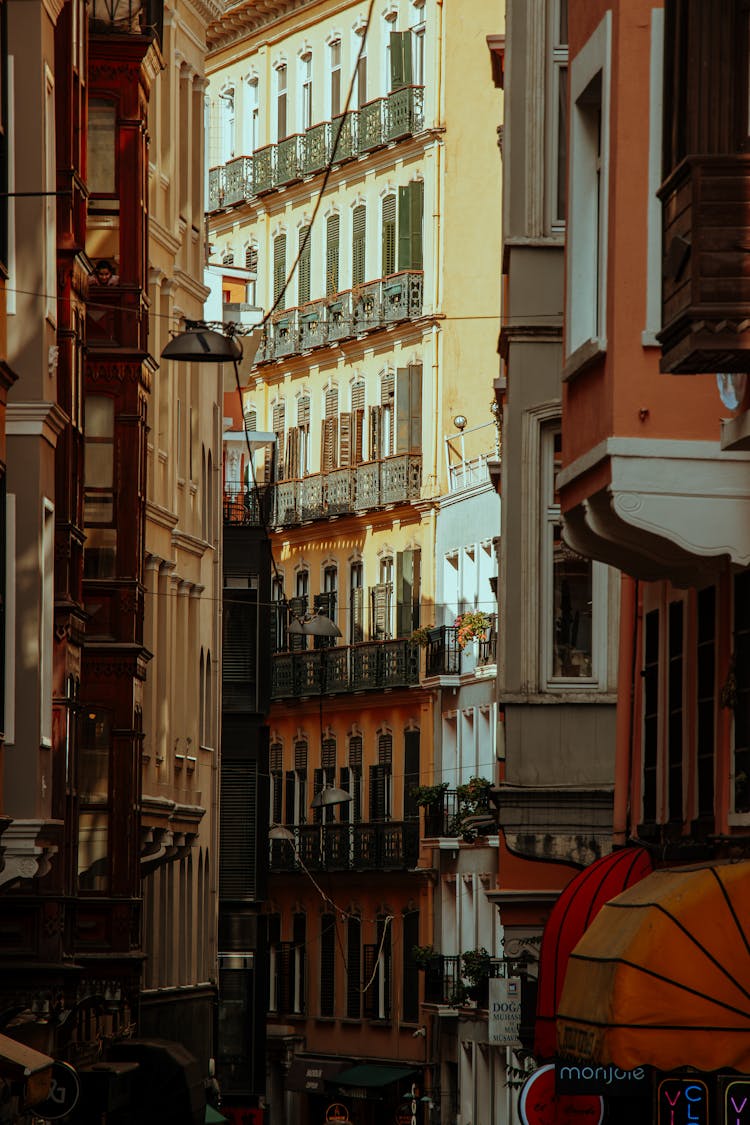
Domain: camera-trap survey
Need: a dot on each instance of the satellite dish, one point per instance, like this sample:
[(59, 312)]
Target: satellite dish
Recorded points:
[(732, 387)]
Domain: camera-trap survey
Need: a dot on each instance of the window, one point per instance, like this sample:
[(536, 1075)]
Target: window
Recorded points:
[(361, 73), (329, 431), (296, 786), (251, 265), (408, 579), (353, 968), (327, 602), (278, 425), (327, 964), (275, 768), (650, 715), (332, 255), (278, 615), (253, 116), (303, 267), (359, 255), (568, 584), (306, 112), (589, 160), (381, 779), (351, 780), (325, 776), (99, 488), (281, 130), (410, 209), (400, 59), (409, 972), (101, 171), (411, 774), (299, 940), (417, 54), (356, 604), (558, 114), (388, 262), (227, 258), (93, 795), (675, 673), (279, 267), (706, 686), (377, 969), (226, 116), (334, 62), (741, 702), (303, 430), (381, 603)]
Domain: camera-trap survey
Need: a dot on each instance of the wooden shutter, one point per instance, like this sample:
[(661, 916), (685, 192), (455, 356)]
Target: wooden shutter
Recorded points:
[(279, 265), (345, 440), (284, 976), (279, 423), (303, 411), (299, 935), (407, 591), (291, 460), (359, 246), (332, 255), (357, 614), (370, 973), (318, 779), (303, 267), (410, 208), (345, 781), (409, 409), (376, 432), (378, 780), (238, 867), (327, 963), (388, 264), (400, 59), (289, 797), (353, 969), (409, 974), (385, 750), (380, 603), (411, 773)]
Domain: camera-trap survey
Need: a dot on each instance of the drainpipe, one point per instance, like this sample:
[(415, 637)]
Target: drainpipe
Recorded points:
[(630, 614)]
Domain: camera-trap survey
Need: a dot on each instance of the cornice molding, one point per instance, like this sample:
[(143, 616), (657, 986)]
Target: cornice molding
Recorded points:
[(35, 419)]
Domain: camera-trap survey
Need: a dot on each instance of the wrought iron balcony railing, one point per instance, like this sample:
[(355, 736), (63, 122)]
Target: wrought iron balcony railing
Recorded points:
[(443, 655), (380, 122), (376, 304), (368, 666), (248, 505), (127, 17), (445, 984), (364, 846)]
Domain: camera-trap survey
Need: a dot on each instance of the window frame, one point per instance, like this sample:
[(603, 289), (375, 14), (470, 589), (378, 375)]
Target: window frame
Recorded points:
[(558, 61)]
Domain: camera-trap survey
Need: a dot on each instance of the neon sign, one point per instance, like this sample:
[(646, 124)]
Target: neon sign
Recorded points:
[(737, 1102), (682, 1101)]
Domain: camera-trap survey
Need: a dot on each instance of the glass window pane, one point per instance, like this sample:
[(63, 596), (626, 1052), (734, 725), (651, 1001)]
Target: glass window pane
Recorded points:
[(100, 416), (101, 148), (99, 465), (572, 600), (93, 843)]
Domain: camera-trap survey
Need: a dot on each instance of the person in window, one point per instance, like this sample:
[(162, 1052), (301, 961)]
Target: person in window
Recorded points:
[(105, 274)]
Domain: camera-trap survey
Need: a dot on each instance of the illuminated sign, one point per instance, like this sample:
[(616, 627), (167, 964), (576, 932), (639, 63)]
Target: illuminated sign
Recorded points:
[(588, 1078), (337, 1114), (682, 1101), (736, 1102), (540, 1103)]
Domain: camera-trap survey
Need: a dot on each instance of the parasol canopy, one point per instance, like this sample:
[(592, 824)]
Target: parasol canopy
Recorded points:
[(662, 975)]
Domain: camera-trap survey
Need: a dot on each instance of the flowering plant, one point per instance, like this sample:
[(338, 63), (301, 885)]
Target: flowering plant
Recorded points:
[(473, 623)]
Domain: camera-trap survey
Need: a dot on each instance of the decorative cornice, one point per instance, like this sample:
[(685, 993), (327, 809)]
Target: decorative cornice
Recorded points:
[(27, 849), (35, 419)]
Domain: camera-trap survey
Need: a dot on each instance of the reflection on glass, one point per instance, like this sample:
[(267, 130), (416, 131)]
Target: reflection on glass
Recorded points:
[(571, 652), (101, 147), (93, 839)]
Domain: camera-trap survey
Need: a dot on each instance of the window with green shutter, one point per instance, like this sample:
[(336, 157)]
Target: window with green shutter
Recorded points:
[(389, 236), (410, 212), (332, 255), (409, 409), (279, 266), (303, 267), (359, 216), (400, 55)]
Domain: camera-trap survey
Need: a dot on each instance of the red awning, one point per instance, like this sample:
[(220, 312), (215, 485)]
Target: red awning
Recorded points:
[(570, 917)]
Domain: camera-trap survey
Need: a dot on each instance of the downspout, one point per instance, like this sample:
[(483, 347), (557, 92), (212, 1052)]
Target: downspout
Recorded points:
[(437, 246)]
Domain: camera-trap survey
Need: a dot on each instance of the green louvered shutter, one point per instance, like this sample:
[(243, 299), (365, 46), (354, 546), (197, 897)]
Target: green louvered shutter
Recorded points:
[(389, 236), (303, 268), (400, 59), (410, 210), (332, 255), (279, 265), (359, 221)]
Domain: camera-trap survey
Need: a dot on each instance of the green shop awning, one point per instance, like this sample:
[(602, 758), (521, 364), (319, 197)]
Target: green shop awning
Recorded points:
[(371, 1075), (213, 1117)]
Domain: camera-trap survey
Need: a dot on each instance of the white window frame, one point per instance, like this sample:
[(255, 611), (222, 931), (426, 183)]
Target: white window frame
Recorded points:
[(281, 68), (558, 61), (418, 44), (332, 69), (306, 91), (227, 122), (550, 516), (251, 122), (588, 199)]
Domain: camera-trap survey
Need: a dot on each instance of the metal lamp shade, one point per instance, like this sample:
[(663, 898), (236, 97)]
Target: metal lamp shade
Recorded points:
[(203, 345), (279, 832), (330, 795), (321, 626)]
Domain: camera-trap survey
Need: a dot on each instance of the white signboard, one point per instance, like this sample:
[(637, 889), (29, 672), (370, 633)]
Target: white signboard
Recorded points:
[(505, 1011)]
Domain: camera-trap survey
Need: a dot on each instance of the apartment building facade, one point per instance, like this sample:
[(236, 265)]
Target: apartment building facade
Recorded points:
[(376, 340)]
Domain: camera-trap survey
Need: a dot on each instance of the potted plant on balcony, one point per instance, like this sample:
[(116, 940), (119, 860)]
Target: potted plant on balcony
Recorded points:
[(425, 956), (475, 968), (472, 801), (472, 625), (428, 795), (421, 636)]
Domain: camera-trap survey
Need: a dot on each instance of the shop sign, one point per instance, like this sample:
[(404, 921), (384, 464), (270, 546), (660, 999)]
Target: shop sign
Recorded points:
[(505, 1011), (64, 1092), (337, 1114), (736, 1102), (406, 1112), (682, 1101), (540, 1103), (586, 1078)]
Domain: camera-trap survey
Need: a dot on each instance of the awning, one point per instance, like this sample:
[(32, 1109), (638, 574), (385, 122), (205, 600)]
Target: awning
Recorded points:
[(662, 975), (569, 919), (373, 1075), (309, 1074), (213, 1117), (22, 1064)]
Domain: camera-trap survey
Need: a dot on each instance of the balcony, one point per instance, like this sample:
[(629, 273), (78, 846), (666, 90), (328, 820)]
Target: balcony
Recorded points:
[(446, 984), (116, 318), (127, 17), (443, 656), (370, 846), (376, 304), (706, 290), (369, 666), (246, 505), (379, 122), (359, 488)]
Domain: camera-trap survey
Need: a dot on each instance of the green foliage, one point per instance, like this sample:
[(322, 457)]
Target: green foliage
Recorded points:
[(427, 795), (475, 965), (473, 623), (424, 955)]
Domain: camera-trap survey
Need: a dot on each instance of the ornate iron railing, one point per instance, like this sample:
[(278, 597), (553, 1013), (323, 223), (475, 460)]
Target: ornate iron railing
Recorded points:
[(364, 846), (340, 492), (238, 180), (311, 501), (443, 656), (400, 478), (379, 122), (369, 666), (127, 17), (216, 182), (366, 306), (311, 320), (249, 505)]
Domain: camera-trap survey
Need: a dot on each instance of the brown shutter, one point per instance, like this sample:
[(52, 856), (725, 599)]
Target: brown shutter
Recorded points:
[(402, 411), (415, 407), (328, 445), (376, 432), (379, 606), (292, 454), (345, 440)]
